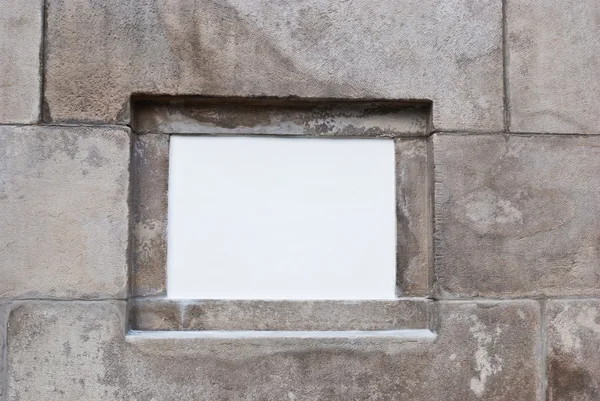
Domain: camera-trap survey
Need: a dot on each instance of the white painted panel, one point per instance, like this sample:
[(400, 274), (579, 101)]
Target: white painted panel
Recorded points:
[(281, 218)]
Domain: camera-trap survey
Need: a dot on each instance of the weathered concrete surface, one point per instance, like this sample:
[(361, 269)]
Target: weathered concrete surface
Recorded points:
[(150, 203), (156, 314), (20, 44), (64, 195), (517, 215), (573, 342), (4, 311), (151, 314), (98, 53), (414, 203), (176, 115), (77, 350), (553, 64)]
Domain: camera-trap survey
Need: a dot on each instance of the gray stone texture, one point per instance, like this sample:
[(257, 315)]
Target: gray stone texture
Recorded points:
[(230, 315), (65, 215), (4, 311), (20, 45), (77, 350), (148, 314), (553, 64), (99, 53), (414, 203), (517, 215), (150, 162), (573, 343)]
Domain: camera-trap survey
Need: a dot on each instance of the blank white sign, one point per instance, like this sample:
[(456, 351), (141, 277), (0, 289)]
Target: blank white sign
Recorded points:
[(281, 218)]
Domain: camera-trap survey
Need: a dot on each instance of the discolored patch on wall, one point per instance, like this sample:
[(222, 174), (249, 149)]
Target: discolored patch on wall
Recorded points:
[(573, 341)]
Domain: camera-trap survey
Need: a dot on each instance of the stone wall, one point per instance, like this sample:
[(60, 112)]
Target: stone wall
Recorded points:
[(499, 199)]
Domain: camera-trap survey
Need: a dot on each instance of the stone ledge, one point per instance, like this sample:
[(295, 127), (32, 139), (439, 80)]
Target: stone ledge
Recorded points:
[(215, 315), (268, 342)]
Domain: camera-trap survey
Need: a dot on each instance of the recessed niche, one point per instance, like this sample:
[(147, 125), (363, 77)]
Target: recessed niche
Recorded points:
[(281, 218)]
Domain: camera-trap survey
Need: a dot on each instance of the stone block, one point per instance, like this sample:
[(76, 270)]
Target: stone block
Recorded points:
[(4, 311), (61, 350), (98, 54), (150, 162), (573, 342), (553, 64), (517, 215), (20, 45), (414, 203), (77, 350), (64, 213)]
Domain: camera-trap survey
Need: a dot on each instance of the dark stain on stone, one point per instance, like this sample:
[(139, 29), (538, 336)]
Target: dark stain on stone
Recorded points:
[(123, 113), (116, 371), (47, 146), (94, 157), (404, 243), (66, 349), (155, 316), (570, 382), (46, 114)]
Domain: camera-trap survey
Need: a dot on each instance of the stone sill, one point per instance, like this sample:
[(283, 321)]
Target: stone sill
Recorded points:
[(232, 343), (279, 318)]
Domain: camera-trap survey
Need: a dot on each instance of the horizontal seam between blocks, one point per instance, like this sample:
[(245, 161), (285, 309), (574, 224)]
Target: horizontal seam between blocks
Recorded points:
[(499, 133), (457, 132), (66, 125), (63, 299)]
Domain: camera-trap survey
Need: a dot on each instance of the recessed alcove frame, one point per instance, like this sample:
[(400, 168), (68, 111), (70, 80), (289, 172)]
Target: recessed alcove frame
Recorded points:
[(154, 119)]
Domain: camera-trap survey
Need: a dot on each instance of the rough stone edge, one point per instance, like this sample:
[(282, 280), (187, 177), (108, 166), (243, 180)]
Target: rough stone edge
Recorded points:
[(413, 200), (144, 282)]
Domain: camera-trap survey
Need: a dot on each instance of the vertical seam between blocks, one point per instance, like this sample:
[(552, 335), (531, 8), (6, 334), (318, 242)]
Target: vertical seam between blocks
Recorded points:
[(431, 217), (438, 223), (42, 60), (131, 226), (505, 66)]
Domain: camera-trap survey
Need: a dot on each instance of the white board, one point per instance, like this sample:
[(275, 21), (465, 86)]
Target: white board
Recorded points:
[(281, 218)]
